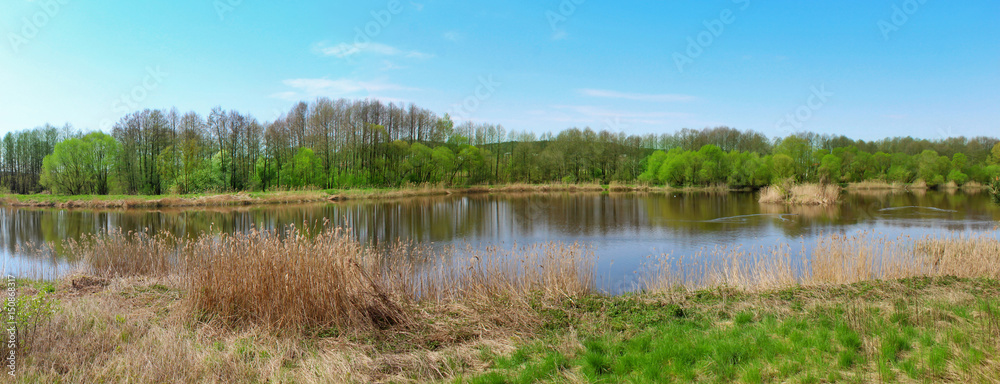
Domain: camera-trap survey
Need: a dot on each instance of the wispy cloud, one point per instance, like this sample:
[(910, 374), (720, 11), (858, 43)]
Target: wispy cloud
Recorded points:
[(453, 36), (309, 88), (659, 98), (344, 50), (600, 112)]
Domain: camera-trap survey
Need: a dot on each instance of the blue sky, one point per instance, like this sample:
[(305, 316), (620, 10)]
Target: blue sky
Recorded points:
[(866, 69)]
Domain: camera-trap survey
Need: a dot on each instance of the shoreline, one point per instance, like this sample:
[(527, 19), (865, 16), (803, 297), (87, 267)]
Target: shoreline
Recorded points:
[(330, 310), (941, 329), (334, 195)]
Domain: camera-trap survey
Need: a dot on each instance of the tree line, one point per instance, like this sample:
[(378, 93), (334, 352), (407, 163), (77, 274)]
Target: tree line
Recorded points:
[(368, 143)]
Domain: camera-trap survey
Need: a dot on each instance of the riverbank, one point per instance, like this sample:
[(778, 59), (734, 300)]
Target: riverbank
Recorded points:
[(916, 329), (221, 308), (806, 197), (298, 197)]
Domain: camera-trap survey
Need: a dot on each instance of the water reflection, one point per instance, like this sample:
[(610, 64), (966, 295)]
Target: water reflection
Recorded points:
[(624, 227)]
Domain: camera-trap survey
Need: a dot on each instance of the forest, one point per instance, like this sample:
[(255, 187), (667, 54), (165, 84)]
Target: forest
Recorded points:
[(368, 143)]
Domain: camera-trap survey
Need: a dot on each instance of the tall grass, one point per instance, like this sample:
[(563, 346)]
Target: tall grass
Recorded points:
[(297, 279), (126, 254), (800, 194), (834, 259), (293, 280)]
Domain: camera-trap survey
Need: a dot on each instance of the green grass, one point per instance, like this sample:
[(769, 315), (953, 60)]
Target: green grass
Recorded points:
[(899, 331)]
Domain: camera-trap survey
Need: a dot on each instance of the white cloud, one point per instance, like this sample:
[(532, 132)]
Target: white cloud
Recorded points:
[(453, 36), (659, 98), (344, 50), (309, 88)]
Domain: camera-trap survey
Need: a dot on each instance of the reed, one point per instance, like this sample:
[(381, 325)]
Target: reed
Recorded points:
[(296, 279), (875, 185), (125, 254), (800, 194), (833, 259)]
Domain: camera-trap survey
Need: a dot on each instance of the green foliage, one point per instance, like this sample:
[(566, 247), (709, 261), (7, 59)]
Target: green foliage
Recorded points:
[(32, 312), (80, 165), (366, 143)]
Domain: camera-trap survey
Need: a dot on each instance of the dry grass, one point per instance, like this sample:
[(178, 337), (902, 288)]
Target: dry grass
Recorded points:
[(973, 187), (126, 202), (800, 194), (834, 259), (301, 280), (321, 280), (349, 313), (138, 330), (875, 185), (558, 187), (293, 306)]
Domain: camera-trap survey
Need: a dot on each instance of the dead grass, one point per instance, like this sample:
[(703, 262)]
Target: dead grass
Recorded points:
[(327, 279), (105, 202), (833, 260), (875, 185), (800, 194), (349, 313)]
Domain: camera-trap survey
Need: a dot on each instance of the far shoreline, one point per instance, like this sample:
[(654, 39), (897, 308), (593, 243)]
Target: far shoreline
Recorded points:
[(43, 200)]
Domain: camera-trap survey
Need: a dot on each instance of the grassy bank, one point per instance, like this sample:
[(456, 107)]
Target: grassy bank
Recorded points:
[(152, 308), (295, 197), (159, 201)]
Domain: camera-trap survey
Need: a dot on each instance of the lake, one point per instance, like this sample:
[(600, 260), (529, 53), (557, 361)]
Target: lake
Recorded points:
[(623, 229)]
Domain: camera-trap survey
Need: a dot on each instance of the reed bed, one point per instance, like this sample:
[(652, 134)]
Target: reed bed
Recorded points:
[(551, 270), (833, 260), (301, 279), (298, 279), (126, 254), (875, 185), (800, 194)]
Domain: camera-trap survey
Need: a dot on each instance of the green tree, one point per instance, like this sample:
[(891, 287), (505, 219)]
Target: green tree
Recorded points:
[(80, 165)]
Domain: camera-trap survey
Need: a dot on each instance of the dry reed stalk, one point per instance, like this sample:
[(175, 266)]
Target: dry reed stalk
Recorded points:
[(125, 254), (772, 194), (553, 270), (835, 259), (291, 281), (299, 279), (875, 185)]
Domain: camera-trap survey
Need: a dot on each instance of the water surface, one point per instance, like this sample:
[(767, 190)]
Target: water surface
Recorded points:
[(622, 228)]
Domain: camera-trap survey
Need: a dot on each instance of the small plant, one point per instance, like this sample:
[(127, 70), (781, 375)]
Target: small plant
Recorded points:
[(30, 314)]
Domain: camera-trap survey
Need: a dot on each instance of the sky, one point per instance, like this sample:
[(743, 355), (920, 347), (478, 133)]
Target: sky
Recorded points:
[(867, 69)]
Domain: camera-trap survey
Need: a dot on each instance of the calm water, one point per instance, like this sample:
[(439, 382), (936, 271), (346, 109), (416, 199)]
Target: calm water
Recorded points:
[(623, 228)]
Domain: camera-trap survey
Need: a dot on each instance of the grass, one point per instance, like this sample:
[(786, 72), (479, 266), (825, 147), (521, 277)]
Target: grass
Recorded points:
[(876, 185), (294, 197), (222, 308), (833, 259), (800, 194), (157, 201)]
